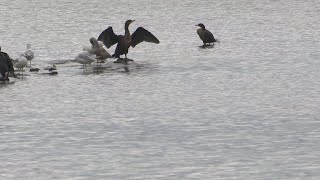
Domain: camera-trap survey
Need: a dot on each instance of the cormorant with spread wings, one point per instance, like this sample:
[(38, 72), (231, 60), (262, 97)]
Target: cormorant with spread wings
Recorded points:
[(109, 38)]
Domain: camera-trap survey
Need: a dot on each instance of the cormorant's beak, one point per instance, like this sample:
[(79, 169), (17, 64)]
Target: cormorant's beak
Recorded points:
[(133, 21), (197, 24)]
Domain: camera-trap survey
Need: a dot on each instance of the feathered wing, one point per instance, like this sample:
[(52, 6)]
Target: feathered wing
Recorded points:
[(85, 58), (29, 54), (210, 36), (108, 37), (141, 35)]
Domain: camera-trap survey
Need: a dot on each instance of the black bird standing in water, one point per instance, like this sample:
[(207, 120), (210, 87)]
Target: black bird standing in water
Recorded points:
[(205, 35), (125, 41), (6, 66)]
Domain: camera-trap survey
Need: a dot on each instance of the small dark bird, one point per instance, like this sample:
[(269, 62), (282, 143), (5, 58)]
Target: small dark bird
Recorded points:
[(205, 35), (125, 41), (52, 70), (34, 70), (6, 66)]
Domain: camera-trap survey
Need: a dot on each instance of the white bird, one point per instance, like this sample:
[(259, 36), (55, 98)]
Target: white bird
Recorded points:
[(29, 54), (85, 58), (98, 50), (20, 63), (89, 48)]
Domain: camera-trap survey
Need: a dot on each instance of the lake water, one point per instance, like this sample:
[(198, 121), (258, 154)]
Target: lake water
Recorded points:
[(246, 109)]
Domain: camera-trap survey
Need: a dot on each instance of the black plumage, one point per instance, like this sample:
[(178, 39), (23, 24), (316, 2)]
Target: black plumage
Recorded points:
[(109, 38), (6, 66), (205, 35)]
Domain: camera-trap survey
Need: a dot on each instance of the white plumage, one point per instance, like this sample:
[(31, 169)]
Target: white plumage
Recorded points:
[(20, 63), (89, 48), (85, 58), (29, 54), (97, 49)]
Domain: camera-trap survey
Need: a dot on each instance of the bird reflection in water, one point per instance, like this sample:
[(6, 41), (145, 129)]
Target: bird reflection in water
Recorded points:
[(123, 60)]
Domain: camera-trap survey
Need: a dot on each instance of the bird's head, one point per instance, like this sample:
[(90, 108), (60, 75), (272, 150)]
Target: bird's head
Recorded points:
[(128, 22), (201, 25), (94, 42)]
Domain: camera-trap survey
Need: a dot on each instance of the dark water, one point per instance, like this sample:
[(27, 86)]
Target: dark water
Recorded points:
[(246, 109)]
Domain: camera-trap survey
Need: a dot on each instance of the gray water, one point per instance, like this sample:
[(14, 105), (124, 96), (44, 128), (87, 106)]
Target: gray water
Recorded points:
[(246, 109)]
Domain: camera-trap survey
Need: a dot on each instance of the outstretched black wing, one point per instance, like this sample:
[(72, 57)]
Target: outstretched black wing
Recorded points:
[(108, 37), (141, 35)]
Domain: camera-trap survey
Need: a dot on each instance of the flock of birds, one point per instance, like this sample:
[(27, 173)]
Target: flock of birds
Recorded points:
[(22, 61), (97, 53), (108, 38)]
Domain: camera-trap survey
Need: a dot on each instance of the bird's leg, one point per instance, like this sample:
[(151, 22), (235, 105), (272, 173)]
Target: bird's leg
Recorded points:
[(97, 64), (125, 56), (83, 67), (6, 78), (13, 74)]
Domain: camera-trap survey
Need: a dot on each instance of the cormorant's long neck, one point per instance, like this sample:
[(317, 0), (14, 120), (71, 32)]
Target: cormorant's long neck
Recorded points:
[(126, 31)]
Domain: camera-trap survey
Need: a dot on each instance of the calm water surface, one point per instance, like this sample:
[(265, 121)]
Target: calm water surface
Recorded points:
[(246, 109)]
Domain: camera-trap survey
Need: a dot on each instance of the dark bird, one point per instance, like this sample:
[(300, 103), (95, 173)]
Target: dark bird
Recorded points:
[(109, 38), (6, 66), (34, 70), (205, 35), (52, 70), (4, 69)]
